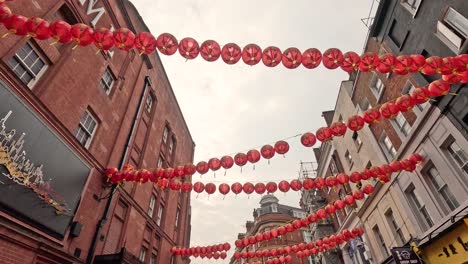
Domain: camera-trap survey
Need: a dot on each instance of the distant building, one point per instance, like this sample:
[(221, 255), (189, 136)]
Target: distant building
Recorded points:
[(272, 214)]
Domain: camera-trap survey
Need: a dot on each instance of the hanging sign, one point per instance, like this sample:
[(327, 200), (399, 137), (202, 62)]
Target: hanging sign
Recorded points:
[(404, 255)]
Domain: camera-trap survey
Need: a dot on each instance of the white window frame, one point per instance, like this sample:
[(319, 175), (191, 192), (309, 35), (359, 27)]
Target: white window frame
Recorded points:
[(349, 159), (171, 145), (152, 204), (458, 157), (274, 208), (160, 214), (380, 240), (395, 227), (387, 145), (358, 142), (177, 217), (441, 187), (142, 256), (26, 67), (149, 103), (418, 206), (108, 87), (447, 32), (377, 86), (165, 134), (86, 129), (401, 125), (412, 9), (160, 162), (153, 259), (407, 89)]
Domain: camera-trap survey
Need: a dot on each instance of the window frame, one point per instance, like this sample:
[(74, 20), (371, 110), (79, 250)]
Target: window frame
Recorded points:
[(274, 208), (357, 140), (408, 8), (149, 103), (160, 214), (407, 89), (82, 127), (142, 256), (349, 159), (452, 204), (446, 32), (165, 135), (455, 159), (21, 62), (108, 86), (388, 150), (401, 125), (395, 227), (418, 206), (380, 241), (373, 87), (152, 205)]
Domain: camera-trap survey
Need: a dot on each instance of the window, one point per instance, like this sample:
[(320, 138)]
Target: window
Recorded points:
[(459, 155), (160, 162), (453, 29), (27, 65), (398, 33), (153, 259), (177, 217), (423, 216), (298, 214), (171, 145), (365, 105), (342, 195), (149, 103), (349, 158), (402, 124), (172, 260), (380, 241), (274, 208), (377, 87), (396, 230), (142, 256), (388, 146), (408, 89), (441, 187), (86, 129), (151, 205), (107, 80), (160, 214), (411, 5), (333, 168), (165, 134), (357, 140)]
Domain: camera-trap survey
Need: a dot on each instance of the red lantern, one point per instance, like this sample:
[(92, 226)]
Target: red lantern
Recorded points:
[(223, 255), (342, 178), (240, 159), (267, 235), (308, 184), (259, 237), (332, 58), (226, 246), (330, 209), (167, 44), (224, 188), (439, 88), (419, 61), (405, 65), (389, 110), (369, 61), (319, 242), (145, 43), (260, 188), (238, 244), (368, 189), (295, 185), (330, 181), (387, 63), (16, 24), (214, 164), (271, 187), (227, 162), (311, 58), (189, 169), (308, 139), (351, 61), (371, 116), (163, 183), (272, 56), (404, 103), (110, 172), (294, 248), (338, 129), (396, 166), (236, 188), (366, 174), (284, 186), (248, 188), (276, 232), (202, 167), (210, 50), (420, 95), (292, 58), (231, 53), (5, 12), (103, 39), (435, 65), (37, 28), (339, 204), (415, 158), (319, 182), (251, 54), (349, 200), (281, 147), (267, 152), (82, 34), (324, 134), (124, 39), (358, 195), (188, 48), (175, 185), (210, 188), (253, 156), (60, 31), (144, 176), (386, 169), (355, 177), (198, 187), (168, 172), (300, 254), (321, 214), (355, 123), (186, 187)]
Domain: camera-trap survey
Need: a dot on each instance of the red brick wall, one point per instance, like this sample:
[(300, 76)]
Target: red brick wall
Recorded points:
[(69, 86)]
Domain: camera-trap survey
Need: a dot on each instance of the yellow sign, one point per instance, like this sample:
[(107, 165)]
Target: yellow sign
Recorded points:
[(449, 248)]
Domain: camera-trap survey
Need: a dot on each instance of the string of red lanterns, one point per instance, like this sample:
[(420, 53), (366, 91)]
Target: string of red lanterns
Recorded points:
[(145, 43), (214, 251), (303, 249), (387, 110)]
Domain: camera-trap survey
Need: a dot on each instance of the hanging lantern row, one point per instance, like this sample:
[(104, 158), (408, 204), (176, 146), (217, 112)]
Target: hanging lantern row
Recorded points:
[(215, 251), (231, 53), (320, 214), (387, 110), (319, 245), (381, 173)]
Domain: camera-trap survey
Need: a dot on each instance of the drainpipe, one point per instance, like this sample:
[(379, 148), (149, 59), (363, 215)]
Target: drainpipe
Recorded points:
[(105, 215)]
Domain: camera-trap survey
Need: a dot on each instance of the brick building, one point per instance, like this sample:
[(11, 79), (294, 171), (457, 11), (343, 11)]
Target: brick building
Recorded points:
[(272, 214), (412, 207), (82, 111)]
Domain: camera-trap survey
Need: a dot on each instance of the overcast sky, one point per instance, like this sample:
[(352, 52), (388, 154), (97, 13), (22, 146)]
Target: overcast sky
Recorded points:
[(232, 108)]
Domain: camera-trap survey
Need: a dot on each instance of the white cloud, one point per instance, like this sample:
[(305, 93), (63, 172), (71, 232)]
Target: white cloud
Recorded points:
[(232, 108)]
